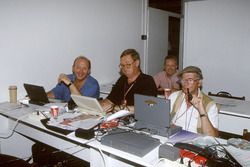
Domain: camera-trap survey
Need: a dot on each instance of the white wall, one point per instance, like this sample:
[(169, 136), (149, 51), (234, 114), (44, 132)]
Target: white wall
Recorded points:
[(217, 39), (40, 39), (158, 46), (157, 39)]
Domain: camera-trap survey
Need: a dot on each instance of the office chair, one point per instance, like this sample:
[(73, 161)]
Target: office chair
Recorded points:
[(246, 135), (11, 161), (227, 135), (226, 95)]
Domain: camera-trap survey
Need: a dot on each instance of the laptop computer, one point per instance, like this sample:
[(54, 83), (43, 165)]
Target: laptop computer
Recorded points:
[(36, 94), (152, 114), (89, 105)]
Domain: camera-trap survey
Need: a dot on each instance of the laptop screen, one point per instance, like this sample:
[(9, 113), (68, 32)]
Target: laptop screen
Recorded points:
[(88, 104), (152, 113), (36, 94)]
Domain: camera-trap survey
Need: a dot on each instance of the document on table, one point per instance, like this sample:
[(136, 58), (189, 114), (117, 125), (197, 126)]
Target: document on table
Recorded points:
[(73, 121), (182, 136), (86, 124)]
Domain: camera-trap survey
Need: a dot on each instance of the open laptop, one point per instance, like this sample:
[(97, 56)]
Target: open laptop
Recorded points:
[(36, 94), (88, 105), (153, 115)]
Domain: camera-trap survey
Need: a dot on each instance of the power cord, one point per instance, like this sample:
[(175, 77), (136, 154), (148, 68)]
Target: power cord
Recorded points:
[(232, 161), (13, 129), (159, 161), (83, 148), (102, 155), (214, 158)]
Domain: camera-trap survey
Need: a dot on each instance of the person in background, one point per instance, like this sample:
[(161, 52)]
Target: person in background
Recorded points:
[(79, 83), (132, 81), (191, 108), (168, 78)]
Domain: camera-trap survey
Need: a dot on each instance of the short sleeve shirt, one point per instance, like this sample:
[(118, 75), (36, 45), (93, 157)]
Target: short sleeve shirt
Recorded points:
[(163, 81), (90, 88), (144, 84)]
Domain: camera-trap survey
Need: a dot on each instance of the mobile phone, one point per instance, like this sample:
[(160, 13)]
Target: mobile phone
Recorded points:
[(190, 97)]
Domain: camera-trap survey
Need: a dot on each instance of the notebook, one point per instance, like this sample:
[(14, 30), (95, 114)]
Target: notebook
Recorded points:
[(134, 143), (153, 115), (88, 105), (36, 94)]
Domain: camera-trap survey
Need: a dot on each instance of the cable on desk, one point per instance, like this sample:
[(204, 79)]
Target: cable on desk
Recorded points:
[(83, 148), (233, 162), (159, 161), (99, 140), (14, 127), (102, 155), (214, 157), (12, 132), (194, 158)]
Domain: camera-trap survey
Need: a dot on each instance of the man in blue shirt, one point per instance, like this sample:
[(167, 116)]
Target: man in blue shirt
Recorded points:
[(79, 83)]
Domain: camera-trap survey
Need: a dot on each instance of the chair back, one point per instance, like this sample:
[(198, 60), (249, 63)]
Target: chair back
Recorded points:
[(246, 135), (226, 95)]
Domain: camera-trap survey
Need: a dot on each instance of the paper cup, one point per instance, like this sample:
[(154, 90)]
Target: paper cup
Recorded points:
[(54, 110), (167, 92)]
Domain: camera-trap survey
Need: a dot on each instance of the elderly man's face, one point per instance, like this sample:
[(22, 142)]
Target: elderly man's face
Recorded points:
[(190, 81)]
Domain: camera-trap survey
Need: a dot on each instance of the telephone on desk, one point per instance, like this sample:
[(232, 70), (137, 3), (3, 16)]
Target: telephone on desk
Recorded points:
[(209, 155)]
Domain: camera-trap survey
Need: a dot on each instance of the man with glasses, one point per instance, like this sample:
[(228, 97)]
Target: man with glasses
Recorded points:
[(132, 81), (191, 108)]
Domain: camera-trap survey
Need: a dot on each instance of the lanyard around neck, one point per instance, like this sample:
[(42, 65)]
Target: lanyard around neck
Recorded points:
[(125, 94)]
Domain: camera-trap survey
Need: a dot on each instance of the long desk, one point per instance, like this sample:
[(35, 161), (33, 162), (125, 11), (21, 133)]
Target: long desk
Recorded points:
[(234, 115), (91, 150), (29, 125)]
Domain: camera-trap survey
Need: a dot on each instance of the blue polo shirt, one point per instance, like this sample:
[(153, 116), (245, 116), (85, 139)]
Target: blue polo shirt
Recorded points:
[(90, 88)]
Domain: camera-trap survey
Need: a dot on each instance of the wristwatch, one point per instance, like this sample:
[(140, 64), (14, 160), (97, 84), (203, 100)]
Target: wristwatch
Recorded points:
[(203, 115), (69, 84)]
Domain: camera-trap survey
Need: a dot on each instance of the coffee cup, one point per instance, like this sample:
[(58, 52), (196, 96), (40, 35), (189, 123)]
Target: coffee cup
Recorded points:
[(13, 93), (54, 110), (167, 92)]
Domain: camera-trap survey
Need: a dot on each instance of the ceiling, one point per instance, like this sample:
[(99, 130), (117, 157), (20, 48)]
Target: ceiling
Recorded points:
[(168, 5)]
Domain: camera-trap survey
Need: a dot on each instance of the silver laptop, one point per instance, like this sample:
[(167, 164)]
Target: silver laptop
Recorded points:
[(153, 115), (89, 105)]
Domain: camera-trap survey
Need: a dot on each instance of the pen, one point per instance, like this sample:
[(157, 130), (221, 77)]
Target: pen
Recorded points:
[(44, 114)]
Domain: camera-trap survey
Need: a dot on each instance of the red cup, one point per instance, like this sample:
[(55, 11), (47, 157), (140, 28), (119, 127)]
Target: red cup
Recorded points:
[(54, 111), (167, 92)]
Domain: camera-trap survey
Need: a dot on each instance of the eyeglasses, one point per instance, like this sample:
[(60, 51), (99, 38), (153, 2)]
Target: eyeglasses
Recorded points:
[(128, 65), (189, 81)]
